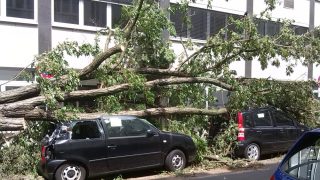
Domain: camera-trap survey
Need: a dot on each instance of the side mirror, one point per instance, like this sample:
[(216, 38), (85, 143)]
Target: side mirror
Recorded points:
[(150, 133)]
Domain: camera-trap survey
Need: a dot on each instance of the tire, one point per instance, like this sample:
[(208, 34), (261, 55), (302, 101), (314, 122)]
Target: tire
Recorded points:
[(175, 160), (70, 172), (252, 152)]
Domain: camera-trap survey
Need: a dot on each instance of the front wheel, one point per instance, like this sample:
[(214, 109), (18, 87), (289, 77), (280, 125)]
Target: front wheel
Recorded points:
[(175, 160), (252, 152), (70, 172)]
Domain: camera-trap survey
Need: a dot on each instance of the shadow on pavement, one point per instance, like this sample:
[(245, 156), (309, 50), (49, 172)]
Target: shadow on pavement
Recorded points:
[(230, 173), (133, 174)]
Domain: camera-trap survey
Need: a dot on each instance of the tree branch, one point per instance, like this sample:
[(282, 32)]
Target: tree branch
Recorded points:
[(140, 113), (130, 25), (98, 60), (161, 72), (20, 93), (11, 124), (158, 82), (18, 109)]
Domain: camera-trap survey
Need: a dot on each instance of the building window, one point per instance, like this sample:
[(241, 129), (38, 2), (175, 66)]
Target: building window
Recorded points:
[(66, 11), (95, 13), (288, 4), (218, 21), (117, 19), (261, 26), (232, 27), (177, 18), (299, 30), (272, 28), (20, 8), (198, 23)]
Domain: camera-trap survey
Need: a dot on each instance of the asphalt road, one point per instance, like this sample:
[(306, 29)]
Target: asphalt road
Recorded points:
[(263, 173)]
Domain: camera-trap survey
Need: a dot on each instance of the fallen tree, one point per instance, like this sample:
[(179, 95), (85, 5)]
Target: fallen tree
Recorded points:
[(141, 65)]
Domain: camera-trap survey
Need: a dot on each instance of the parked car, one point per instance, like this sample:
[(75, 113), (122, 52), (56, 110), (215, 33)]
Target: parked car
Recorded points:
[(303, 159), (111, 144), (266, 130)]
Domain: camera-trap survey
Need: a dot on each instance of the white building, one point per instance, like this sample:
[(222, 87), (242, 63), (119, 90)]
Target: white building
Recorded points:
[(30, 27)]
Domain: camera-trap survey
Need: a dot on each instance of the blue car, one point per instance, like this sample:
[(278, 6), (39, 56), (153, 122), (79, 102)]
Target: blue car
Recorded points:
[(302, 160)]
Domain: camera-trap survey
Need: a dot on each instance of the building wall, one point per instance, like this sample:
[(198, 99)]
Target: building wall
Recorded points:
[(300, 12), (20, 41), (300, 72), (317, 14), (18, 44), (81, 36), (230, 6)]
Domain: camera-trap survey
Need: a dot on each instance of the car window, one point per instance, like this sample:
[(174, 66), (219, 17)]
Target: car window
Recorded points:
[(85, 130), (247, 120), (282, 119), (117, 127), (262, 118), (305, 164)]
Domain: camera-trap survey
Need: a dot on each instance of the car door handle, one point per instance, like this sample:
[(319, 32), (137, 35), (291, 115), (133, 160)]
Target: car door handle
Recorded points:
[(112, 146), (259, 131)]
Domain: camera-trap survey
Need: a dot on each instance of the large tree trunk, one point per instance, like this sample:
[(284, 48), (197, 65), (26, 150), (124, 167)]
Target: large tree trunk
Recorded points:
[(9, 124), (20, 108), (40, 114)]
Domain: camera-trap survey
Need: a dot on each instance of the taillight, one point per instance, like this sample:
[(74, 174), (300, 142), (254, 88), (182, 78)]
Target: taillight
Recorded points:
[(272, 177), (241, 136), (43, 153)]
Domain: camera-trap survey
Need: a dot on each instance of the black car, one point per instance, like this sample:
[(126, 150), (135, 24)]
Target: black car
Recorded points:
[(111, 144), (266, 130)]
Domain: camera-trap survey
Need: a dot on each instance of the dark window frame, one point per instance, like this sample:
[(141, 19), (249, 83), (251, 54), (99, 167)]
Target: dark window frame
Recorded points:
[(288, 4), (198, 31), (95, 13), (85, 128), (276, 113), (123, 131), (71, 16), (27, 11), (266, 112)]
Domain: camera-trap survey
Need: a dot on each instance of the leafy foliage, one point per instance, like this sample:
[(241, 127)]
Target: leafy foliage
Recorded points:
[(22, 156), (62, 79), (194, 127), (295, 98), (146, 47)]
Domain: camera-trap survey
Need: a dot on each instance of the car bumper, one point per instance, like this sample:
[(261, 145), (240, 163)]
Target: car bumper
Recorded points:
[(240, 148), (191, 157), (47, 169)]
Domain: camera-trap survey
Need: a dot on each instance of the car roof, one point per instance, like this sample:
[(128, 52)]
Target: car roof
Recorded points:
[(315, 130), (123, 117), (258, 108)]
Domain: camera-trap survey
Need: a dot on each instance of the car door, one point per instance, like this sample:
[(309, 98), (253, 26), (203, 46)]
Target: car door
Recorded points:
[(264, 131), (86, 145), (129, 146), (286, 130)]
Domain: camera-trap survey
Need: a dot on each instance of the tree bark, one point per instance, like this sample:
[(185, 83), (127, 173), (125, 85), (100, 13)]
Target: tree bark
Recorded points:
[(20, 93), (96, 62), (40, 114), (11, 124), (20, 108)]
